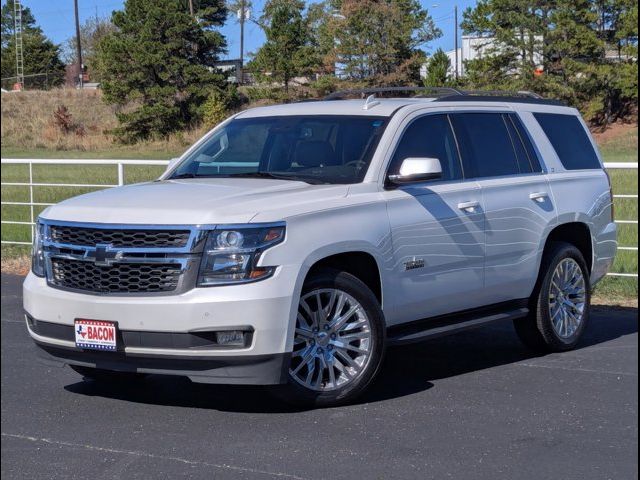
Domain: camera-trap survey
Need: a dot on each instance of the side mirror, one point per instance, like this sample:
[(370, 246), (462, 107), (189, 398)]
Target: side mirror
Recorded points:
[(415, 170), (172, 163)]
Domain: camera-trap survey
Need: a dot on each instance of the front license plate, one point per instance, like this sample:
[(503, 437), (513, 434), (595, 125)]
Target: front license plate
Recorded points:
[(95, 334)]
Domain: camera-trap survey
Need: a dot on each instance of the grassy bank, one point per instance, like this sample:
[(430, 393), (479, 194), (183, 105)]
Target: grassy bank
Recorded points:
[(29, 128)]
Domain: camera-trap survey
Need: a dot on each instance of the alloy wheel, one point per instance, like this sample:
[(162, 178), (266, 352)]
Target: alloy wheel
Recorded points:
[(567, 298), (332, 342)]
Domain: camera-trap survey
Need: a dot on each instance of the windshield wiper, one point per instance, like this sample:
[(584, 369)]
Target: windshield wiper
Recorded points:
[(274, 176), (278, 176), (183, 175)]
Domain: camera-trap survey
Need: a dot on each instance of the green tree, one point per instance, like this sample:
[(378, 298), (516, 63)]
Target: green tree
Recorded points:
[(208, 12), (437, 70), (380, 41), (321, 20), (626, 34), (515, 36), (287, 52), (158, 66), (41, 56), (569, 40)]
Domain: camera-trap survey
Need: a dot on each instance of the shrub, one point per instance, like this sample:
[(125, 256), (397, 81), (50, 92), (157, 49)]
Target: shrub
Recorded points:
[(63, 119), (214, 110), (325, 85)]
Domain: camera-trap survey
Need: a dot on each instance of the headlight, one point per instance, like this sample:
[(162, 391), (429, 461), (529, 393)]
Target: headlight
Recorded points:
[(37, 251), (231, 254)]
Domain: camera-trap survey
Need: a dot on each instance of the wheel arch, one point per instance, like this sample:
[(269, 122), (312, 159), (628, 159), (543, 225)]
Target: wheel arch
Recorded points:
[(577, 234), (361, 265)]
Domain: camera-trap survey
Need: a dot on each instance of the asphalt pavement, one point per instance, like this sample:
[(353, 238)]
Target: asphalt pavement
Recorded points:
[(471, 406)]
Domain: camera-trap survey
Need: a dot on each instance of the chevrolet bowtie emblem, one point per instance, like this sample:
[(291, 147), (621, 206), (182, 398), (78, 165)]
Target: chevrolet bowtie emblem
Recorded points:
[(105, 255)]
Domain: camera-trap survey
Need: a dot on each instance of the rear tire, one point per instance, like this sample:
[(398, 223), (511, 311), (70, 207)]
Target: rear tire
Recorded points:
[(560, 304), (339, 342), (106, 376)]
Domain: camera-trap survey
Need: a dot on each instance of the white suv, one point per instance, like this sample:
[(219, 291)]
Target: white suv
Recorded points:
[(294, 243)]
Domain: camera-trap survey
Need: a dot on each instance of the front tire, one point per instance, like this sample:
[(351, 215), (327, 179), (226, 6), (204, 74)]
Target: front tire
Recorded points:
[(339, 341), (560, 304)]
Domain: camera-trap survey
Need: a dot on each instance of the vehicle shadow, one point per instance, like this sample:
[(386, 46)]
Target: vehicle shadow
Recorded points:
[(407, 370)]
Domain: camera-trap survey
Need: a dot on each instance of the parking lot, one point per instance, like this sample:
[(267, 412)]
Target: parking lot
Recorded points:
[(475, 405)]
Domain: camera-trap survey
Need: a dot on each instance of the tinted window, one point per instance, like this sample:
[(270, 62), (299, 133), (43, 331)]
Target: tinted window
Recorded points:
[(522, 134), (570, 140), (485, 145), (431, 137), (524, 164)]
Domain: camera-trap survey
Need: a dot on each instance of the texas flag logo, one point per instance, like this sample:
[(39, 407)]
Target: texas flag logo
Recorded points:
[(81, 332)]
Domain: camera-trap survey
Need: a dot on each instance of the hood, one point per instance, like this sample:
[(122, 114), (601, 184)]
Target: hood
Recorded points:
[(194, 201)]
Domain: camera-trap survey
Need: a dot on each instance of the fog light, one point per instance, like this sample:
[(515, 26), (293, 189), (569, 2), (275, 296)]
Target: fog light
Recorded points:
[(233, 338)]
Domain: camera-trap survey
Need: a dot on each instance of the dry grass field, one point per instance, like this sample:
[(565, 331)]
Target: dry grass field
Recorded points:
[(29, 128)]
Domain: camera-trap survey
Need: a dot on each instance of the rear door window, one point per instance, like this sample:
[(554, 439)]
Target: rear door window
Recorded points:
[(486, 146), (570, 141)]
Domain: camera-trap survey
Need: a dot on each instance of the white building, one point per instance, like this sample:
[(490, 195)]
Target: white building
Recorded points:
[(473, 48)]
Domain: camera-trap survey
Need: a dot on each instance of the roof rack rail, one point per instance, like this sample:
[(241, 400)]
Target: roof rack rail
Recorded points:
[(521, 96), (502, 93), (450, 94), (366, 92)]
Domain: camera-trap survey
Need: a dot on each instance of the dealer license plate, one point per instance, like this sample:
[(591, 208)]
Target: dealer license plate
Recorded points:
[(95, 334)]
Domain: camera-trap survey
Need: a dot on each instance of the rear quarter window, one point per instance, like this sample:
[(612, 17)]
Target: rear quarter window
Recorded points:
[(570, 141)]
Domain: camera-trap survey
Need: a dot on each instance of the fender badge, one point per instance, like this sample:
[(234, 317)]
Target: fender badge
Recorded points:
[(414, 264)]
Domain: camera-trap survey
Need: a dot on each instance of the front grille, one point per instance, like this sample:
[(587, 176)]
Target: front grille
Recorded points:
[(124, 238), (116, 278)]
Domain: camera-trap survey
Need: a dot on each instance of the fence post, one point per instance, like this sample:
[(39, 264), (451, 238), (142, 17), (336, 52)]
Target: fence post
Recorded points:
[(33, 227), (120, 174)]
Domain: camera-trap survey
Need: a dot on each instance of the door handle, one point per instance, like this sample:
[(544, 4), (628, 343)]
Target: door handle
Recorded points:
[(469, 207), (539, 197)]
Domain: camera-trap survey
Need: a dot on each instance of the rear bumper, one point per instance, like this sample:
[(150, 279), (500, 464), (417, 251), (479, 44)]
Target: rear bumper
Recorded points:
[(605, 246), (246, 370)]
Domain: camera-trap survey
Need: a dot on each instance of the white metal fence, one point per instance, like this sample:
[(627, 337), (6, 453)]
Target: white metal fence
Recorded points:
[(120, 170)]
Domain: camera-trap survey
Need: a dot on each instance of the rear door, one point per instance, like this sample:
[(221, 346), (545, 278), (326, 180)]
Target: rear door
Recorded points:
[(519, 209), (437, 229)]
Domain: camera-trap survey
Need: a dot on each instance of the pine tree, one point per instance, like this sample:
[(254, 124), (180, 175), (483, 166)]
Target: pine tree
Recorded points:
[(159, 63), (41, 56), (437, 69), (287, 52), (569, 39)]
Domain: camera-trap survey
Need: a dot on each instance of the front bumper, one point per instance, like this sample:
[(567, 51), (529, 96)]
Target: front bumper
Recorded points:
[(159, 330), (235, 370)]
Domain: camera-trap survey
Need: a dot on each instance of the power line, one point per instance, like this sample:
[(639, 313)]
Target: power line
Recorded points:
[(65, 11)]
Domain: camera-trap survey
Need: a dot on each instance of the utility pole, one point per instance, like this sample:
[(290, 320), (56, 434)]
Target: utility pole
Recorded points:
[(17, 19), (78, 42), (455, 13), (242, 14)]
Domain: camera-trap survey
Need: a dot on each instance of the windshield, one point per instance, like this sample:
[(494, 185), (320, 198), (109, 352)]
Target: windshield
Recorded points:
[(314, 149)]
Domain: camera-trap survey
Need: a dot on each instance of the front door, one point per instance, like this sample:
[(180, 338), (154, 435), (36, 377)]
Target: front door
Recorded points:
[(437, 230)]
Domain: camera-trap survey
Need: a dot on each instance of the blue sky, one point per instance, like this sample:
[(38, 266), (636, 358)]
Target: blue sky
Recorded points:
[(56, 19)]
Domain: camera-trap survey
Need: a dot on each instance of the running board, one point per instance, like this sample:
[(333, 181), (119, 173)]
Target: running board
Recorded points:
[(431, 328)]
